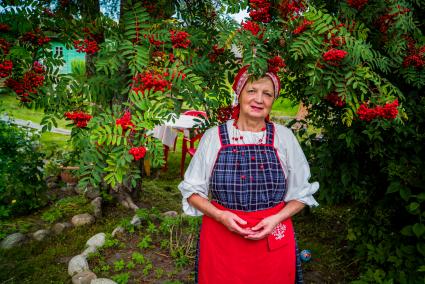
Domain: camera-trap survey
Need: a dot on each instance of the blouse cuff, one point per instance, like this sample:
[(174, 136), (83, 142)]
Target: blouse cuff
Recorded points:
[(306, 195), (186, 193)]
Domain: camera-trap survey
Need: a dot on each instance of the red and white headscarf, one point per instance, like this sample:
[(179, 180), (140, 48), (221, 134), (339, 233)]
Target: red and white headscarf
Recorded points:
[(242, 78), (239, 83)]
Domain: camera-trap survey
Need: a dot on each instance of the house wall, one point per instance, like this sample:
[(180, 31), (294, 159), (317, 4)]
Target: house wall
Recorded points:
[(68, 55)]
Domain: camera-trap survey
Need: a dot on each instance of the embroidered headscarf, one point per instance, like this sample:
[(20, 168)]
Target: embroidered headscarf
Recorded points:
[(240, 81)]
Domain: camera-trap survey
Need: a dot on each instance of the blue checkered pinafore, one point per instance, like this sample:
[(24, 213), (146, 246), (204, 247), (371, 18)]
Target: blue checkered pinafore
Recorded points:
[(249, 177)]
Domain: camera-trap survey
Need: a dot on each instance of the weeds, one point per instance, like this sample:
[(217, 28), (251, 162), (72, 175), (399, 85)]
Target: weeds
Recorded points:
[(121, 278), (119, 265), (138, 258)]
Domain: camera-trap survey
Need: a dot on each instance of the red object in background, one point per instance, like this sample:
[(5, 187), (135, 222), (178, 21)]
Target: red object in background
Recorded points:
[(125, 121), (6, 68), (138, 152), (79, 118), (179, 39), (87, 46), (275, 64), (191, 140), (389, 111), (334, 56), (334, 99), (357, 4)]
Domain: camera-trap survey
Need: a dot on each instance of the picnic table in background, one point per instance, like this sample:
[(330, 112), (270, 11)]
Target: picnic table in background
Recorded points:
[(169, 130)]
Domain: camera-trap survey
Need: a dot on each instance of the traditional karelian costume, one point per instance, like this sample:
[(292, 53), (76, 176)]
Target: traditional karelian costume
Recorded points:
[(252, 177)]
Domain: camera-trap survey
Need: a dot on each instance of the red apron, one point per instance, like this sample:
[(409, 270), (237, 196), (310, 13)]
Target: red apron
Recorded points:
[(227, 257)]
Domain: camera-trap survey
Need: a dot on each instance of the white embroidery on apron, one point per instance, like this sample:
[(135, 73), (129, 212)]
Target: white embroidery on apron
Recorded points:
[(279, 231)]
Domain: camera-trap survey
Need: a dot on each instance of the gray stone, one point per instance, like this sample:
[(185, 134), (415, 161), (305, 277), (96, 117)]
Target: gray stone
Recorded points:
[(82, 219), (103, 281), (97, 206), (97, 240), (52, 185), (71, 186), (92, 192), (58, 228), (77, 264), (88, 251), (79, 190), (136, 221), (41, 235), (84, 277), (12, 240), (118, 231), (170, 214)]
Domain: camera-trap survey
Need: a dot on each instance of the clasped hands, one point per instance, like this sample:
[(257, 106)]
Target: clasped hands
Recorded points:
[(233, 223)]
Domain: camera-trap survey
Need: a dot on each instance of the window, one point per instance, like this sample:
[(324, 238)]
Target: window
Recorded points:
[(59, 51)]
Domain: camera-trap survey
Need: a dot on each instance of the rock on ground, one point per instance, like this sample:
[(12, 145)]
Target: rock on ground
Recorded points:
[(58, 228), (136, 221), (82, 219), (84, 277), (88, 251), (170, 214), (97, 240), (41, 235), (12, 240), (118, 231), (77, 264), (97, 205), (103, 281)]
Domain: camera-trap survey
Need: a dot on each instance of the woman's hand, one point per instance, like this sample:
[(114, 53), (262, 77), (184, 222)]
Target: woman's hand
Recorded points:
[(231, 221), (264, 228)]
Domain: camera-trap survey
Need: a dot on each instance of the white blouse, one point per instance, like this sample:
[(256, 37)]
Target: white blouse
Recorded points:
[(295, 165)]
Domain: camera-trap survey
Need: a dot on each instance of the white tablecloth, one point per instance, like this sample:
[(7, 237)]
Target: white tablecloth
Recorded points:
[(168, 131)]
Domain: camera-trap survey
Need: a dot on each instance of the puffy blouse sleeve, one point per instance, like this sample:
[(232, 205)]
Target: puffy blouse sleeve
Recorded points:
[(197, 175), (296, 167)]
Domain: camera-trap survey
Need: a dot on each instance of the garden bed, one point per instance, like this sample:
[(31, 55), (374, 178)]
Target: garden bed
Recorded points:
[(161, 250)]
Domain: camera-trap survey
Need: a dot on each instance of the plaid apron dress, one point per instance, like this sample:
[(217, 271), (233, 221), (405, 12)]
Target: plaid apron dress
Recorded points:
[(247, 179)]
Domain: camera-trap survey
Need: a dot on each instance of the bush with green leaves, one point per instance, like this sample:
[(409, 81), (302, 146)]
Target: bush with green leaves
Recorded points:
[(21, 171), (364, 157)]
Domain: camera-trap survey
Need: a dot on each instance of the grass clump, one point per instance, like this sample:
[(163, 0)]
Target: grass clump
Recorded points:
[(66, 208)]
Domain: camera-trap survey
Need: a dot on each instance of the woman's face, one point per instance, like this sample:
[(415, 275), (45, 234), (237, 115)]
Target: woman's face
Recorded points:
[(256, 99)]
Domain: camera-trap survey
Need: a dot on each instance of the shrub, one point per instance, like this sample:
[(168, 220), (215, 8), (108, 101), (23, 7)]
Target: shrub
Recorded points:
[(21, 164)]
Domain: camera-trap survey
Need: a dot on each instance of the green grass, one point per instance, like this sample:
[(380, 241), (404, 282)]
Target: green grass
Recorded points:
[(284, 107), (50, 141), (54, 141), (13, 108), (47, 261)]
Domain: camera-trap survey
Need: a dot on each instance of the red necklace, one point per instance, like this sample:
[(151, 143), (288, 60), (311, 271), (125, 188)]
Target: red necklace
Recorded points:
[(237, 136)]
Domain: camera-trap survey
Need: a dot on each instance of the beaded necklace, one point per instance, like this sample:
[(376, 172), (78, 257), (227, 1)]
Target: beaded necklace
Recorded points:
[(238, 138)]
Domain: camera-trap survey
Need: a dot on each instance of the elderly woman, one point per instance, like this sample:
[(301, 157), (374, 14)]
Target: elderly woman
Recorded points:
[(257, 177)]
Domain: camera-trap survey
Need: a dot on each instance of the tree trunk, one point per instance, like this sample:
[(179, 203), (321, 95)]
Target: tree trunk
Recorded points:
[(123, 195), (90, 11)]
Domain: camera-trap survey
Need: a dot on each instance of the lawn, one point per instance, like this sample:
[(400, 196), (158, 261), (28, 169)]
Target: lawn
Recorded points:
[(284, 107), (12, 107)]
